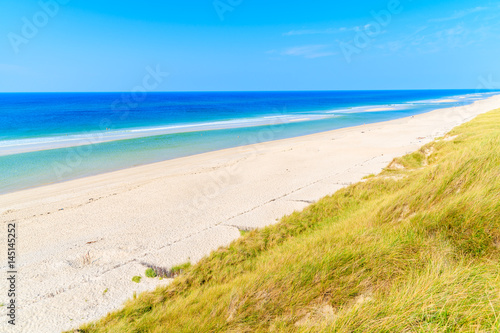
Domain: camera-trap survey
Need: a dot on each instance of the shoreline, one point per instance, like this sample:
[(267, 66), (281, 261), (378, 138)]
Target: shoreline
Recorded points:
[(168, 212), (91, 174), (107, 151)]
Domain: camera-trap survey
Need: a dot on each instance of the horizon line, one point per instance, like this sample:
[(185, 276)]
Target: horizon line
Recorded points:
[(237, 91)]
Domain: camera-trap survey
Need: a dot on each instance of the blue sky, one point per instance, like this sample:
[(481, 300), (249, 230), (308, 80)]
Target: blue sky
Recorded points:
[(89, 45)]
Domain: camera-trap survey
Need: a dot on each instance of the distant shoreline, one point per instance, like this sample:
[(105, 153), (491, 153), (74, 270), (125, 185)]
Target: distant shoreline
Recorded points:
[(32, 162), (20, 145)]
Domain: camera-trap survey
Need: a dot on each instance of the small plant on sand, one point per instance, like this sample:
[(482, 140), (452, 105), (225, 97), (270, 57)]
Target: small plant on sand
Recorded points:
[(164, 272), (150, 273), (86, 259), (136, 279)]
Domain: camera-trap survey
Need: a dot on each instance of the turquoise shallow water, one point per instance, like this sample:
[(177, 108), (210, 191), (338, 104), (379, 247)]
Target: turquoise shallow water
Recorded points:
[(166, 126)]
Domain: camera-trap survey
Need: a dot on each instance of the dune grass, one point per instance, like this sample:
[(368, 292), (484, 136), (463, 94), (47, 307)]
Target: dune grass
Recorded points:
[(413, 249)]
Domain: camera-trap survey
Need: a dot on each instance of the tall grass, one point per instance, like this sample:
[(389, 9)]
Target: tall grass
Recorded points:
[(414, 249)]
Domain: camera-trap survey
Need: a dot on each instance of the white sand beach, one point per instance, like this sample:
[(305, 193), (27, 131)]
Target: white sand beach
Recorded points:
[(80, 242)]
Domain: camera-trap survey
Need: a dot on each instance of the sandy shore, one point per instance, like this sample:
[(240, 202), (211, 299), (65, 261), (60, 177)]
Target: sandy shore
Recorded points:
[(80, 242)]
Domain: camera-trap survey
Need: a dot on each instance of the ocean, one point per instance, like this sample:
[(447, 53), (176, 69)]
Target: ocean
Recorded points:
[(52, 137)]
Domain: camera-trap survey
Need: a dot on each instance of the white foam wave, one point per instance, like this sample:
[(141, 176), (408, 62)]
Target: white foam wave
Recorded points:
[(60, 141)]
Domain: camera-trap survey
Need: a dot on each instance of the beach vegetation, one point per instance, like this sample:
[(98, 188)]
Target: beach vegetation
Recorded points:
[(243, 232), (179, 269), (150, 273), (413, 249)]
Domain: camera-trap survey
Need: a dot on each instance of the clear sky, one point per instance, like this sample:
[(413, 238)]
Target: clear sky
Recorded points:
[(206, 45)]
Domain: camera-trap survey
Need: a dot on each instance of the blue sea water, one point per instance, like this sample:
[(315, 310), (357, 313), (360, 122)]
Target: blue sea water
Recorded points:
[(52, 137)]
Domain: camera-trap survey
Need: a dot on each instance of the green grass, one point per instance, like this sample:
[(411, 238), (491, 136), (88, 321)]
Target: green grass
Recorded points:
[(414, 249), (244, 232), (150, 273), (181, 268), (137, 279)]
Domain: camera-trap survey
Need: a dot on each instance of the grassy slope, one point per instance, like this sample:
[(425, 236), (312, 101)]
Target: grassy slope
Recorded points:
[(410, 250)]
